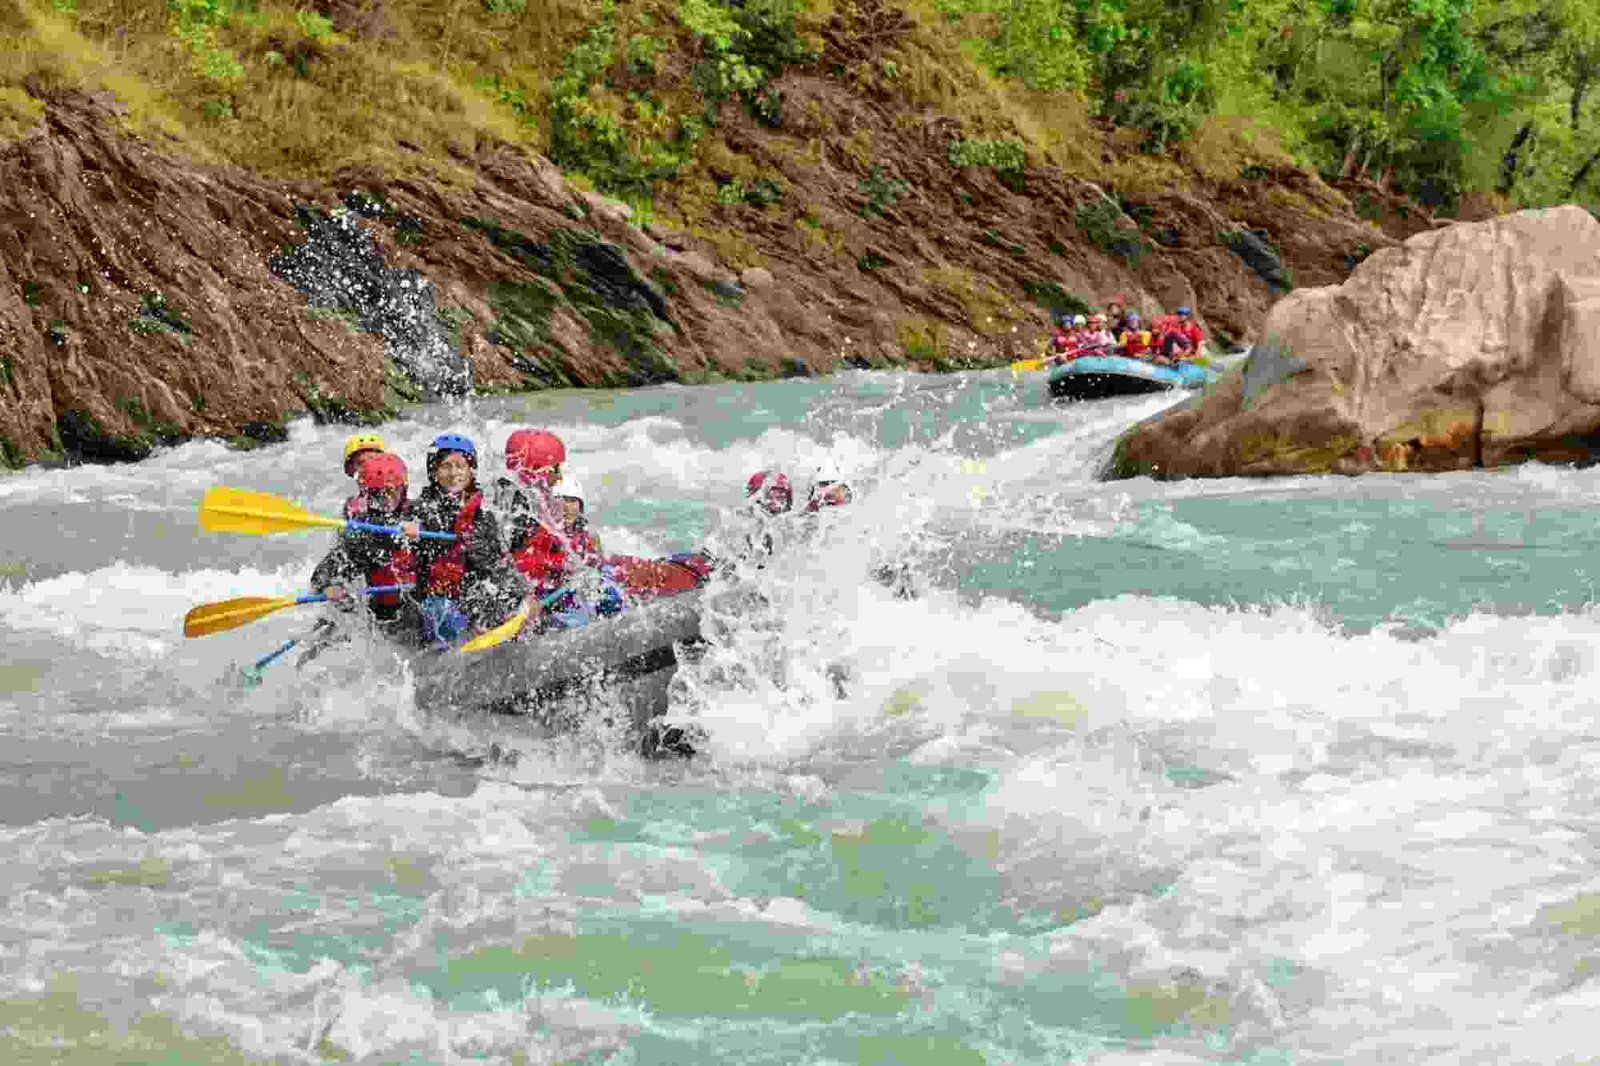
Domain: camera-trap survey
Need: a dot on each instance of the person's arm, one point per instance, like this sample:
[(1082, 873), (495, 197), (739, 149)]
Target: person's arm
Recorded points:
[(337, 569)]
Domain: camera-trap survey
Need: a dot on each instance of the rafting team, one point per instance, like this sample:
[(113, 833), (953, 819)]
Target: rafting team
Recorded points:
[(1168, 340), (526, 546)]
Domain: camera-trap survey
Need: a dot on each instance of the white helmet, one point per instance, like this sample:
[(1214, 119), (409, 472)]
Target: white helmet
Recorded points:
[(569, 487)]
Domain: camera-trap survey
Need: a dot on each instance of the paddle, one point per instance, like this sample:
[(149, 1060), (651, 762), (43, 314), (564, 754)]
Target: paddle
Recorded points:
[(1024, 365), (210, 618), (225, 510), (510, 627), (252, 674)]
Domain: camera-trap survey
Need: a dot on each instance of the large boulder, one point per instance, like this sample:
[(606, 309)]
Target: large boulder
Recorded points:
[(1476, 344)]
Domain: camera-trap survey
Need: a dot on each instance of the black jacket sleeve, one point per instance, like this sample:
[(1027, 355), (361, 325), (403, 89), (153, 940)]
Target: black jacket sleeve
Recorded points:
[(336, 568)]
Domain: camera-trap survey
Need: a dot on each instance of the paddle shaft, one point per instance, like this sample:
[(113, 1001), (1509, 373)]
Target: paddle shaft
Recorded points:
[(318, 597), (394, 531)]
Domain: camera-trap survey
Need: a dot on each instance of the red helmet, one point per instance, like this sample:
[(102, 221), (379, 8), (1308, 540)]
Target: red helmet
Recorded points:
[(760, 479), (385, 470), (534, 449)]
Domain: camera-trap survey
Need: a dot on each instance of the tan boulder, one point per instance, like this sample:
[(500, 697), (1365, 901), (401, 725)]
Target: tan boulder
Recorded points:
[(1475, 344)]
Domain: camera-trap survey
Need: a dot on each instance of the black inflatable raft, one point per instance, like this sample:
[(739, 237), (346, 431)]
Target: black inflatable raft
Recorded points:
[(623, 663)]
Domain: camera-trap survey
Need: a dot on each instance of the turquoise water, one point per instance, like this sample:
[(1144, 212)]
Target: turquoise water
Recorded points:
[(1293, 771), (1364, 562)]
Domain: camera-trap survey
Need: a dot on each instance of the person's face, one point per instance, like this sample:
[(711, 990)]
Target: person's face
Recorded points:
[(453, 473), (1183, 316), (571, 511), (384, 500), (776, 499)]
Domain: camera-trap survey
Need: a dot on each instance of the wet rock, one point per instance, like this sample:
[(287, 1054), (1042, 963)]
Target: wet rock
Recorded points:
[(1252, 246), (340, 266), (1473, 345)]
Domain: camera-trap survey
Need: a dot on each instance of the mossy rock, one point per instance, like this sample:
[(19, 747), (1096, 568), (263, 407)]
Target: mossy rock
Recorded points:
[(85, 439), (1058, 301)]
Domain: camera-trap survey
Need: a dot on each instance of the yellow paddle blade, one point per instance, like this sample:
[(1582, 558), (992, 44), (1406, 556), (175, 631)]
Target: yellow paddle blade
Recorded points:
[(225, 510), (1028, 364), (211, 618), (499, 634)]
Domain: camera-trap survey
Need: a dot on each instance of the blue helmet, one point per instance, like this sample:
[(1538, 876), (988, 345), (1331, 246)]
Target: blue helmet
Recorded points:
[(1184, 311), (451, 442)]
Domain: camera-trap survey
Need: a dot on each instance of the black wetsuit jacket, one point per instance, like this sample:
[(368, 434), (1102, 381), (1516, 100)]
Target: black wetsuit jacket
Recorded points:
[(491, 588)]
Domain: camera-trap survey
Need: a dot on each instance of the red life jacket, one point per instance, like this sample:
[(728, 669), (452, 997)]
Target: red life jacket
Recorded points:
[(542, 560), (546, 561), (446, 573), (401, 569), (1135, 343), (646, 579)]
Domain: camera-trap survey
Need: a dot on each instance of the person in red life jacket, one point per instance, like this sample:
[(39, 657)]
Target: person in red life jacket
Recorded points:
[(776, 495), (1185, 338), (522, 499), (1134, 341), (553, 550), (594, 589), (357, 450), (1168, 344), (1066, 344), (466, 583), (582, 544), (535, 519), (376, 558)]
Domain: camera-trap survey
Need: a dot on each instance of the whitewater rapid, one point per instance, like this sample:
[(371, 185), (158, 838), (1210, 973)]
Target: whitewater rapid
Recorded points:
[(1206, 772)]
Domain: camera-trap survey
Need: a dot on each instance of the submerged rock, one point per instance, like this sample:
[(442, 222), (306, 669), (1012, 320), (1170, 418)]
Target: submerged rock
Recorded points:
[(1475, 344)]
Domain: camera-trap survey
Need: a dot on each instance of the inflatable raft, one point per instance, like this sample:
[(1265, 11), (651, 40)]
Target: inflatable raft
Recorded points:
[(1095, 377), (619, 664)]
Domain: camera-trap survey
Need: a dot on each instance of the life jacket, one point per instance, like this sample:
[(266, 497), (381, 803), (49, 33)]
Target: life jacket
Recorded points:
[(542, 560), (1135, 344), (401, 569), (447, 571), (647, 579)]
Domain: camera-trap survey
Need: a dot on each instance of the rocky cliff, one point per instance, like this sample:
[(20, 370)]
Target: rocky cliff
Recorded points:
[(146, 297)]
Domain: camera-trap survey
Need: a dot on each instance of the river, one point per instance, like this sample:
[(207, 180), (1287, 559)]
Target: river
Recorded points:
[(1290, 771)]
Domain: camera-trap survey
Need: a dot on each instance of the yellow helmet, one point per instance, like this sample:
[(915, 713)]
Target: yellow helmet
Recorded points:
[(361, 442)]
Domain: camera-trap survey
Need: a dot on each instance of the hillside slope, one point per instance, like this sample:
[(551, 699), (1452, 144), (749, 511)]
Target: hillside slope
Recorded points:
[(215, 216)]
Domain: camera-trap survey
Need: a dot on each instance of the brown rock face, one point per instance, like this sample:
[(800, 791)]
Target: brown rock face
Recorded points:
[(146, 298), (1475, 344), (135, 303)]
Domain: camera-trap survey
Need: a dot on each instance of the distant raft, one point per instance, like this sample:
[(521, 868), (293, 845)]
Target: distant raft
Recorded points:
[(1095, 377)]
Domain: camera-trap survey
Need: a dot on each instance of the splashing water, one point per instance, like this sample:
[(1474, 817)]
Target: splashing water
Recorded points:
[(1226, 771)]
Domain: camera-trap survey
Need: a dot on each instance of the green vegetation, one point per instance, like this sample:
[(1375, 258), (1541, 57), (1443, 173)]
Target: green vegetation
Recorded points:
[(1438, 99), (1051, 295), (592, 280)]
